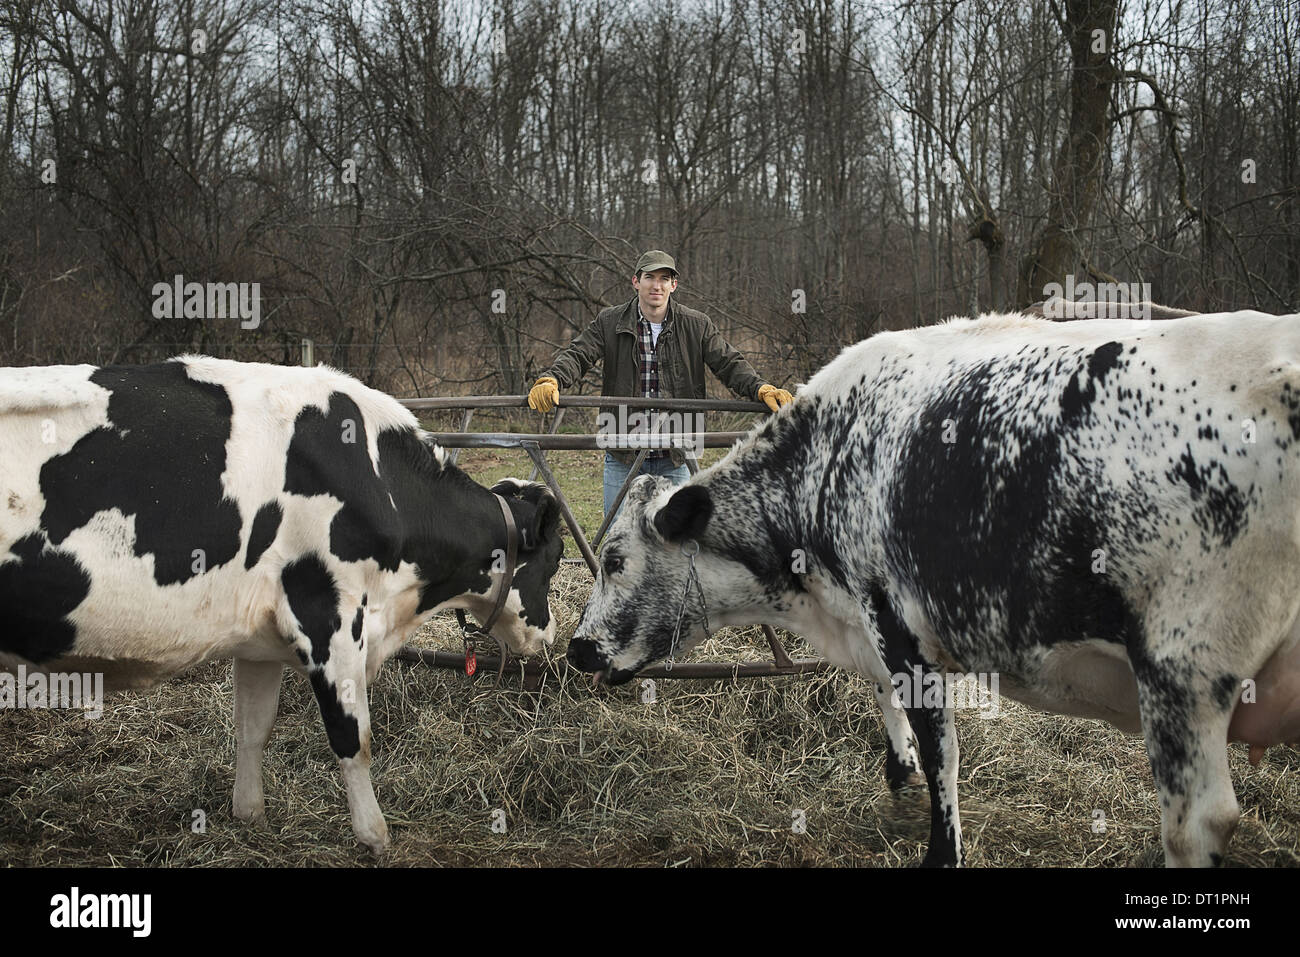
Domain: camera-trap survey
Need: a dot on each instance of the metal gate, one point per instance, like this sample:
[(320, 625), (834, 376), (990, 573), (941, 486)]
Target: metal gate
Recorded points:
[(537, 445)]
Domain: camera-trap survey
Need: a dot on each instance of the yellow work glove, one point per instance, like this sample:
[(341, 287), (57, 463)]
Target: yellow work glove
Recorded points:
[(545, 394), (774, 397)]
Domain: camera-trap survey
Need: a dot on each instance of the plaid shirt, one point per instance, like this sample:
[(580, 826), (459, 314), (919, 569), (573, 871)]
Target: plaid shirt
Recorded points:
[(649, 364)]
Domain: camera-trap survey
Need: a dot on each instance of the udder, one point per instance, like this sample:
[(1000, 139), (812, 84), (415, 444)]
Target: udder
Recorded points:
[(1274, 716)]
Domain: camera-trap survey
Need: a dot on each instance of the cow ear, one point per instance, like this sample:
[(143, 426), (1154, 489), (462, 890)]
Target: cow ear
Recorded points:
[(685, 515), (542, 523), (546, 516), (509, 488)]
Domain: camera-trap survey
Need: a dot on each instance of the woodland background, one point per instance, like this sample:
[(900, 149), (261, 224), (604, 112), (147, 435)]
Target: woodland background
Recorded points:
[(440, 194)]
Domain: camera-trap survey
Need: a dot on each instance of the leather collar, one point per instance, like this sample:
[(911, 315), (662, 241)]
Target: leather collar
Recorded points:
[(503, 586)]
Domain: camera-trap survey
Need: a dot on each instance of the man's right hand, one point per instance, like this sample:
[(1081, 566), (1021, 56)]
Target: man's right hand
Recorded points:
[(545, 394)]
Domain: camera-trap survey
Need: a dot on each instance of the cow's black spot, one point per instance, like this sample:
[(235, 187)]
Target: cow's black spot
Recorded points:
[(160, 459), (1167, 695), (314, 601), (1225, 691), (450, 523), (771, 518), (328, 456), (1076, 399), (897, 771), (341, 727), (413, 509), (37, 593), (1220, 506), (1076, 593), (357, 623), (265, 524), (984, 538), (1291, 399)]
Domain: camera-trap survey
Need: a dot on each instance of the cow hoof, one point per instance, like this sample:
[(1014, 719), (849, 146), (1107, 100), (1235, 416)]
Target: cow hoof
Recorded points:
[(915, 779), (375, 839), (901, 774), (937, 860), (251, 814)]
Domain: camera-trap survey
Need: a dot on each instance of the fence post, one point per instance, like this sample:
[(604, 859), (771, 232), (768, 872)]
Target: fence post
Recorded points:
[(309, 353)]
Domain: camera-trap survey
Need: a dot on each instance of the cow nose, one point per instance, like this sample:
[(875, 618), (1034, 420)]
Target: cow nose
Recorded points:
[(582, 655)]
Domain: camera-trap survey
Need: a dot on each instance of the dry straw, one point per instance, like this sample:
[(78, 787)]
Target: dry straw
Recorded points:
[(709, 774)]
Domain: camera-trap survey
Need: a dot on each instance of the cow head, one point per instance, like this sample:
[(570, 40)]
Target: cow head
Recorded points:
[(463, 562), (525, 623), (631, 617)]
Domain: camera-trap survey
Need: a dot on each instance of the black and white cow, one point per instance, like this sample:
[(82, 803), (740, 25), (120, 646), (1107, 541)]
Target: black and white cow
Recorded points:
[(155, 517), (1105, 514)]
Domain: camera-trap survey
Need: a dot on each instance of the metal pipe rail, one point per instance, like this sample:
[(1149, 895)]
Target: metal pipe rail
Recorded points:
[(536, 445), (623, 442), (585, 402), (535, 669)]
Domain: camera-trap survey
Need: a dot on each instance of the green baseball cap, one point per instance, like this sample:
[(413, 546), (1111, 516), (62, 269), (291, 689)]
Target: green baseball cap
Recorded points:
[(656, 259)]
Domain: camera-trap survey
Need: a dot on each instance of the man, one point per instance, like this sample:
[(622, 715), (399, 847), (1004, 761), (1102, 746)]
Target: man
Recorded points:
[(653, 348)]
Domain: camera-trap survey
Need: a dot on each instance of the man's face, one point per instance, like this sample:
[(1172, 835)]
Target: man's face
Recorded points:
[(654, 288)]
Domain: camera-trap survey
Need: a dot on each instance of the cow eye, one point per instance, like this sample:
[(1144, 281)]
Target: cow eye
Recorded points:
[(613, 564)]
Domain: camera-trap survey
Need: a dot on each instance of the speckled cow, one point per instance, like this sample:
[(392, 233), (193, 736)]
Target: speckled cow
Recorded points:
[(1106, 514)]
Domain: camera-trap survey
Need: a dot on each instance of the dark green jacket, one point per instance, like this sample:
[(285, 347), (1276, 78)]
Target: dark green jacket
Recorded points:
[(688, 343)]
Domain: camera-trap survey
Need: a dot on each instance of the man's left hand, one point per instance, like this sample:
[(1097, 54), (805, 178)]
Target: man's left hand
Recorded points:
[(774, 397)]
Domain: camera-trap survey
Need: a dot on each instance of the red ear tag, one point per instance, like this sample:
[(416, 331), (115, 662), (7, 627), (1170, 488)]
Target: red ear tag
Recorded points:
[(471, 660)]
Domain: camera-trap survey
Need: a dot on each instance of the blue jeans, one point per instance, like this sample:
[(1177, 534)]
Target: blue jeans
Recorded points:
[(616, 473)]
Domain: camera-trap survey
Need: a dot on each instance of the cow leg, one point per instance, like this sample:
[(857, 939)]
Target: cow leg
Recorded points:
[(257, 698), (902, 767), (936, 738), (1186, 726), (936, 734), (339, 681)]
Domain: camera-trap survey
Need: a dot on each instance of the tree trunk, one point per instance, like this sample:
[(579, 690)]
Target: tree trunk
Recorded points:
[(1077, 175)]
